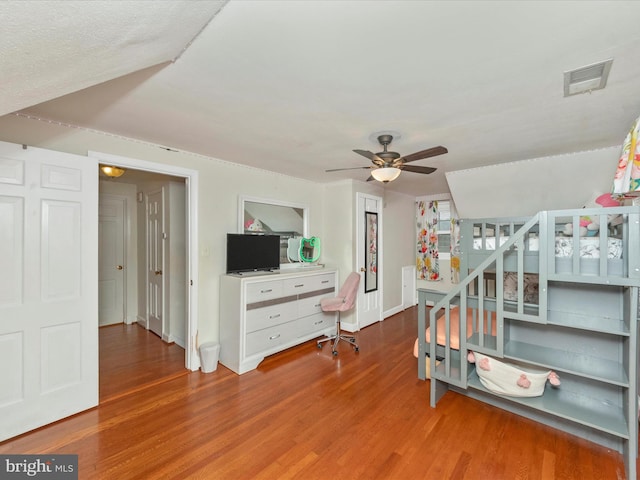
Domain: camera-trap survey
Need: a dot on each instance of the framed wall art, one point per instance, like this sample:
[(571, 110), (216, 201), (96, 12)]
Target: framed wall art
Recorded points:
[(371, 251)]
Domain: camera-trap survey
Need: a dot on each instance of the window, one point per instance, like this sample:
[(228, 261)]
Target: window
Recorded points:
[(444, 228)]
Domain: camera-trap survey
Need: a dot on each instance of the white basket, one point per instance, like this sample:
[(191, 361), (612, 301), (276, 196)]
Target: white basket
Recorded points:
[(506, 379)]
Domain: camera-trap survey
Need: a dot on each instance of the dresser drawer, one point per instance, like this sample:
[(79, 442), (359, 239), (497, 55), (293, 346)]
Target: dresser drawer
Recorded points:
[(257, 292), (308, 283), (270, 338), (260, 318), (315, 323), (327, 280), (310, 305)]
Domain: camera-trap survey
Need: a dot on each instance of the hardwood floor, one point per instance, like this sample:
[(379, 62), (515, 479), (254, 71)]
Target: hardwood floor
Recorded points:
[(306, 414), (132, 358)]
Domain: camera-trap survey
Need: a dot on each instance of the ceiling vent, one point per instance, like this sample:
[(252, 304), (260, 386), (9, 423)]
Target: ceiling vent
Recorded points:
[(586, 79)]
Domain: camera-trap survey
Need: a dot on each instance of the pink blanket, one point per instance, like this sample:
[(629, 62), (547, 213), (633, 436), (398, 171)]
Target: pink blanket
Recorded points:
[(454, 319)]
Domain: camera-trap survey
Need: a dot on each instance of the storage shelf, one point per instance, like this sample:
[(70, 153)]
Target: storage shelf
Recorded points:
[(570, 362), (595, 279), (613, 326), (582, 410)]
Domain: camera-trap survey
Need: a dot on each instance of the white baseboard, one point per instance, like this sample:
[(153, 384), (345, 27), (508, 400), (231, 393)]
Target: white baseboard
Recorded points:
[(349, 327), (392, 311), (173, 339)]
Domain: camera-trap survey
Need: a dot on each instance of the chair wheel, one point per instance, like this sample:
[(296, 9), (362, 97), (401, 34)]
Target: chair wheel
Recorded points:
[(335, 353), (357, 349), (319, 345)]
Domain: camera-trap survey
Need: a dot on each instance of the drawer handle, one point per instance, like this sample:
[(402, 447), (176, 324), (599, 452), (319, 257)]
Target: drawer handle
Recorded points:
[(299, 285), (325, 281), (274, 316), (273, 337), (266, 291), (319, 322), (317, 305)]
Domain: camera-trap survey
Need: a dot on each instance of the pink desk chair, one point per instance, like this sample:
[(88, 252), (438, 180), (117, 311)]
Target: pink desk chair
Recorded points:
[(345, 300)]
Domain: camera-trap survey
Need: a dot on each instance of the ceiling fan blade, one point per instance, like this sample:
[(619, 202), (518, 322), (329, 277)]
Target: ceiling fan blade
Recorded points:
[(429, 152), (370, 178), (417, 169), (371, 156), (351, 168)]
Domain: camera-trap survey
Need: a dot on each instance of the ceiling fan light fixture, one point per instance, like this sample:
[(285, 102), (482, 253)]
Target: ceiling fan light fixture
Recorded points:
[(112, 172), (386, 174)]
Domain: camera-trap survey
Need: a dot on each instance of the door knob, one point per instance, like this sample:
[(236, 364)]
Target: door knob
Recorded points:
[(119, 267), (158, 272), (362, 269)]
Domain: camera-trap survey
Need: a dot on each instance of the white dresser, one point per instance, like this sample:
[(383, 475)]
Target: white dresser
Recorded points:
[(265, 314)]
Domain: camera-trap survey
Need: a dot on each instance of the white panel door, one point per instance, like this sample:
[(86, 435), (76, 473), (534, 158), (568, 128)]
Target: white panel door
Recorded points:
[(409, 287), (111, 260), (369, 302), (155, 261), (48, 287)]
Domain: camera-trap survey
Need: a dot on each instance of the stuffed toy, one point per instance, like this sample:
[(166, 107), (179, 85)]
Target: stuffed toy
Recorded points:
[(256, 226), (590, 225)]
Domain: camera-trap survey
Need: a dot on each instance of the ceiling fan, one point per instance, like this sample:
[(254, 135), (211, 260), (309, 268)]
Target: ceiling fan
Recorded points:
[(388, 165)]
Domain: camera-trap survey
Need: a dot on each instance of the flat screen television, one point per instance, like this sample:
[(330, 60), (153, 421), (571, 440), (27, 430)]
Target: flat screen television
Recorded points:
[(252, 253)]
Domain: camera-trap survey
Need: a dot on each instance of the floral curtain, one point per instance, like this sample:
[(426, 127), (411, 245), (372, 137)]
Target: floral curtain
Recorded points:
[(427, 265), (455, 250), (627, 177)]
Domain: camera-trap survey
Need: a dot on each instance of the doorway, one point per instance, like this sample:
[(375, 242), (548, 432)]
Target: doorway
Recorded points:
[(190, 180)]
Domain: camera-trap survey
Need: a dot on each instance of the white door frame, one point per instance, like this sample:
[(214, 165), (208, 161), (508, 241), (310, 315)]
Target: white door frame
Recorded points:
[(192, 360), (361, 207)]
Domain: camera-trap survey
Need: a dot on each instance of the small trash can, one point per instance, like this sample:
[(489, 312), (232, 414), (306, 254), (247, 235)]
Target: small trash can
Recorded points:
[(209, 353)]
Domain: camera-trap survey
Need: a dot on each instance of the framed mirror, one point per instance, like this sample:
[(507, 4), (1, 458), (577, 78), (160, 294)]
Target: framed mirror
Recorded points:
[(259, 215)]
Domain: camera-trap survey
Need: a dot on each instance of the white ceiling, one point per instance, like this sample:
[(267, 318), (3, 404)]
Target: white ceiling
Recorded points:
[(295, 86)]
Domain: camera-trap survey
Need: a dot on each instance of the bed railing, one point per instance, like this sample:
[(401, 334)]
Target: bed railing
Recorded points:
[(618, 258), (515, 249)]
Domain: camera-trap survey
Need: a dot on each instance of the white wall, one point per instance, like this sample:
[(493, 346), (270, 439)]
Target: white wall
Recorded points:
[(337, 243), (399, 245)]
